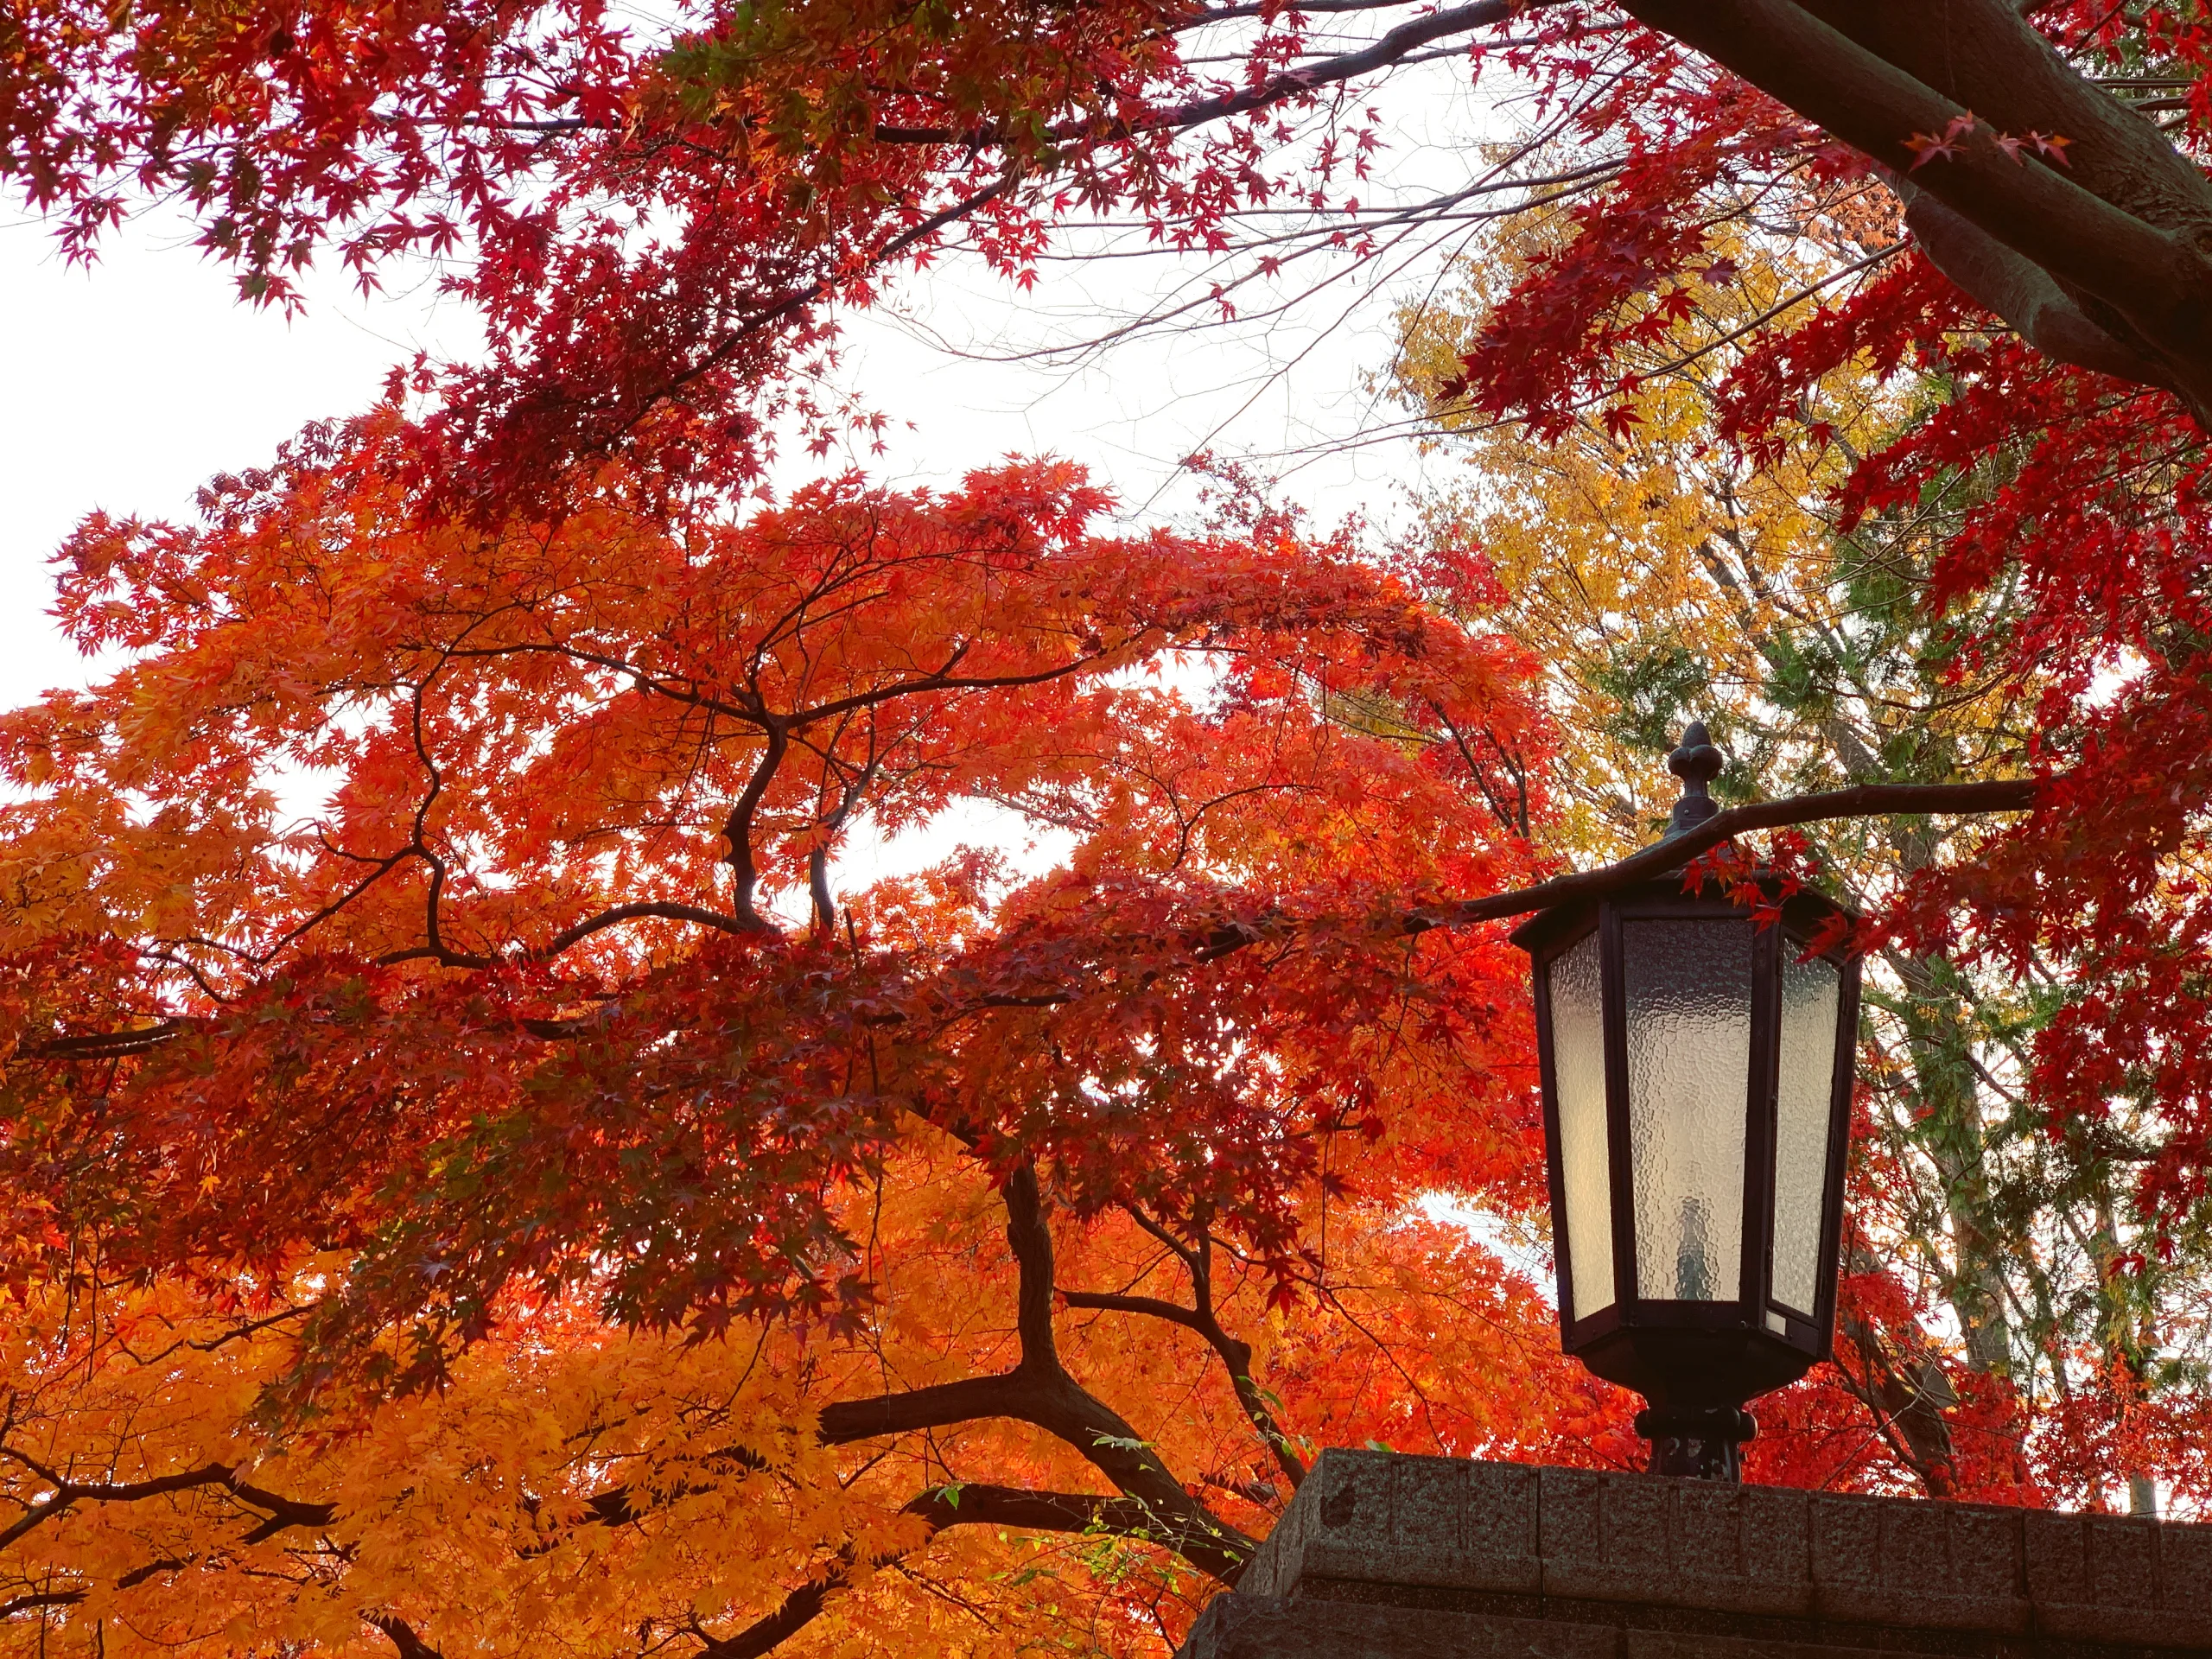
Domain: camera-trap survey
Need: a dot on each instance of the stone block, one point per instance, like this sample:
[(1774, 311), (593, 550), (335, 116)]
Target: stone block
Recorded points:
[(1775, 1528), (2186, 1574), (1253, 1627), (1754, 1557), (1985, 1553), (2057, 1558), (1844, 1547), (2123, 1560), (1631, 1538), (1568, 1525), (1501, 1521), (1379, 1517), (2110, 1579), (1919, 1565)]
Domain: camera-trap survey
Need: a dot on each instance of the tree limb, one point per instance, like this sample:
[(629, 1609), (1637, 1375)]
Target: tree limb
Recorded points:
[(1386, 50), (403, 1637), (1908, 1412), (38, 1601), (1235, 1353), (936, 1407), (942, 1507), (2150, 271), (2020, 292), (666, 911), (1039, 1391), (284, 1512), (1860, 801)]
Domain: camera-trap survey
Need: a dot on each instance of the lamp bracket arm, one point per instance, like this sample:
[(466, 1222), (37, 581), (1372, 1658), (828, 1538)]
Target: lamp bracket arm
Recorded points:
[(1861, 801)]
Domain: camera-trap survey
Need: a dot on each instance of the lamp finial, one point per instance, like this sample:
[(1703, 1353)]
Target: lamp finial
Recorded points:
[(1696, 762)]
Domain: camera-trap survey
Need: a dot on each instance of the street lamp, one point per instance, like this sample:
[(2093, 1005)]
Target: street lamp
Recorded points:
[(1697, 1070)]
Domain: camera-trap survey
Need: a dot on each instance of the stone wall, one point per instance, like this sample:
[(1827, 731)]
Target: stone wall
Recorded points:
[(1383, 1556)]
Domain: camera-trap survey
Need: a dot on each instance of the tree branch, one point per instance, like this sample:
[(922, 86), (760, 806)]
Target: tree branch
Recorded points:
[(942, 1507), (1392, 47), (1386, 50), (38, 1600), (1860, 801), (1150, 1307), (107, 1044), (2020, 292), (2147, 272), (1235, 1353), (1039, 1391), (665, 910), (403, 1637), (284, 1512), (745, 872), (1907, 1412), (1030, 1238), (938, 1405)]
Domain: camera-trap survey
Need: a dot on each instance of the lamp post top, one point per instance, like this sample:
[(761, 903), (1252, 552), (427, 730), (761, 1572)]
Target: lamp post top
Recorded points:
[(1697, 763)]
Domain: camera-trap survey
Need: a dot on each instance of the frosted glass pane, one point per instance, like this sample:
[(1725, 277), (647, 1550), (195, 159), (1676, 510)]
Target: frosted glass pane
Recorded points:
[(1810, 991), (1689, 1068), (1579, 1066)]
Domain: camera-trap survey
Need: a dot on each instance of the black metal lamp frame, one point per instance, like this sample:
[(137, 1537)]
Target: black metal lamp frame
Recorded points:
[(1698, 1363)]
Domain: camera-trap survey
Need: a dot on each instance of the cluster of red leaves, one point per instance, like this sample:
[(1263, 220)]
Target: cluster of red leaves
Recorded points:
[(462, 1023), (654, 221), (2102, 523), (2085, 504), (1882, 324)]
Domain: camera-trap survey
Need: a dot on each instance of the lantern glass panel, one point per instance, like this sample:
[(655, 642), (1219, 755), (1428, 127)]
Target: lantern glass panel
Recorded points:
[(1804, 1095), (1579, 1065), (1688, 984)]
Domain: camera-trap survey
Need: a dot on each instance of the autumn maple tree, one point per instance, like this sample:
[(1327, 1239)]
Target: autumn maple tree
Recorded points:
[(473, 1172), (503, 1078)]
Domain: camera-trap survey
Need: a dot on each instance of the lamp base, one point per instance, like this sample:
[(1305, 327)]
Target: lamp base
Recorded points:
[(1699, 1444)]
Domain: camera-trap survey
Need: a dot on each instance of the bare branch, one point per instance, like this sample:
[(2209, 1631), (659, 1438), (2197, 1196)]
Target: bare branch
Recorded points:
[(942, 1507), (403, 1637), (665, 911), (1860, 801), (1386, 50), (1040, 1392), (283, 1512), (1235, 1353)]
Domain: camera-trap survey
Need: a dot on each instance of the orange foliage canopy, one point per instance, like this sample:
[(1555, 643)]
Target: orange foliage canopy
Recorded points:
[(471, 1181), (471, 1172)]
